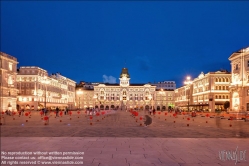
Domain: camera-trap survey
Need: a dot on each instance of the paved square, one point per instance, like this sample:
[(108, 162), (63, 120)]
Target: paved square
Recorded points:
[(118, 139)]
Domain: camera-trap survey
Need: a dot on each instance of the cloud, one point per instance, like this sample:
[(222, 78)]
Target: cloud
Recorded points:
[(109, 79)]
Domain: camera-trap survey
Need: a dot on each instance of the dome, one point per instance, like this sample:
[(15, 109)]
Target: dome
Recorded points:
[(124, 73)]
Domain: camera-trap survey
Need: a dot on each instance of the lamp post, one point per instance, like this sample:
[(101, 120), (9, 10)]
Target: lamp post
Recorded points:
[(161, 98), (45, 81), (95, 97), (1, 97), (188, 82), (79, 92)]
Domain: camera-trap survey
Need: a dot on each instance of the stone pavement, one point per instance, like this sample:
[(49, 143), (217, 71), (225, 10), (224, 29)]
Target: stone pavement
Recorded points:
[(118, 139)]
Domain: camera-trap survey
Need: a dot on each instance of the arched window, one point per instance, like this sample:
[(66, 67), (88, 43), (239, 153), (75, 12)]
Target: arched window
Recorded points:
[(219, 96), (216, 80)]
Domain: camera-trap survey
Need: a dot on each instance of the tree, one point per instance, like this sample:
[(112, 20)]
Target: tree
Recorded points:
[(226, 105)]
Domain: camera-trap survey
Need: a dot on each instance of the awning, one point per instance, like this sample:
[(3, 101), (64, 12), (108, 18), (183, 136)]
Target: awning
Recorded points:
[(219, 103), (56, 105)]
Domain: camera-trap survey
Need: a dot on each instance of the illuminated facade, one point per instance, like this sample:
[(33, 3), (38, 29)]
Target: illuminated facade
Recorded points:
[(118, 96), (207, 92), (239, 88), (167, 85), (164, 99), (37, 89), (8, 89)]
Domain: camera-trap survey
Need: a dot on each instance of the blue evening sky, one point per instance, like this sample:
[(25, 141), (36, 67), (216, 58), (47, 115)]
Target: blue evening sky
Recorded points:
[(155, 40)]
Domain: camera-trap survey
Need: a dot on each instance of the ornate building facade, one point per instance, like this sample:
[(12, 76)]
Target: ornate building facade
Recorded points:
[(164, 99), (37, 89), (239, 89), (207, 92), (124, 95), (8, 91), (118, 96)]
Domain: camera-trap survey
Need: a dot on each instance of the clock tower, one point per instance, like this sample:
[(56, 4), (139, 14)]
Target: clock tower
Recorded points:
[(124, 78)]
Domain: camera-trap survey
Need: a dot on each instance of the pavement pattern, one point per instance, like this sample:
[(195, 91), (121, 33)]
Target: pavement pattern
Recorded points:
[(121, 139)]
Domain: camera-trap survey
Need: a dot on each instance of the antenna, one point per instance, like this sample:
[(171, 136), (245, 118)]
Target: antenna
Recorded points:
[(125, 63)]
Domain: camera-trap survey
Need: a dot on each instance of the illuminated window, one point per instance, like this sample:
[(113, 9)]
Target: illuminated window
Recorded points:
[(130, 96), (112, 96), (136, 97), (141, 97), (10, 66), (10, 80)]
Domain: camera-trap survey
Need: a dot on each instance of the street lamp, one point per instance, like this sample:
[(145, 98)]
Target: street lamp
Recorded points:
[(188, 82), (45, 81), (162, 93), (95, 96), (79, 92)]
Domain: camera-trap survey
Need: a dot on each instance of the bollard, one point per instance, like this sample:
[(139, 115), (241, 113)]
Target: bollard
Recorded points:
[(78, 114), (97, 114), (159, 115), (230, 122), (46, 120), (26, 114), (91, 120), (141, 118), (188, 119), (207, 115)]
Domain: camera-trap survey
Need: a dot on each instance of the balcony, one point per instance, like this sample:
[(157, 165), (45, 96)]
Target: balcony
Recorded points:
[(11, 86)]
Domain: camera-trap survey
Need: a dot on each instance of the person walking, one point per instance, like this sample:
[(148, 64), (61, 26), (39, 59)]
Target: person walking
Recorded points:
[(57, 111)]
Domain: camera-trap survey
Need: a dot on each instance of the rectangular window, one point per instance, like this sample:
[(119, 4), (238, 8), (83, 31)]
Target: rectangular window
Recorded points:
[(247, 63), (236, 67), (130, 96), (247, 106), (141, 97), (136, 97)]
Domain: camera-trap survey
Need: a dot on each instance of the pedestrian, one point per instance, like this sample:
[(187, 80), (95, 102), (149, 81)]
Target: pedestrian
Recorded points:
[(57, 111), (66, 110)]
